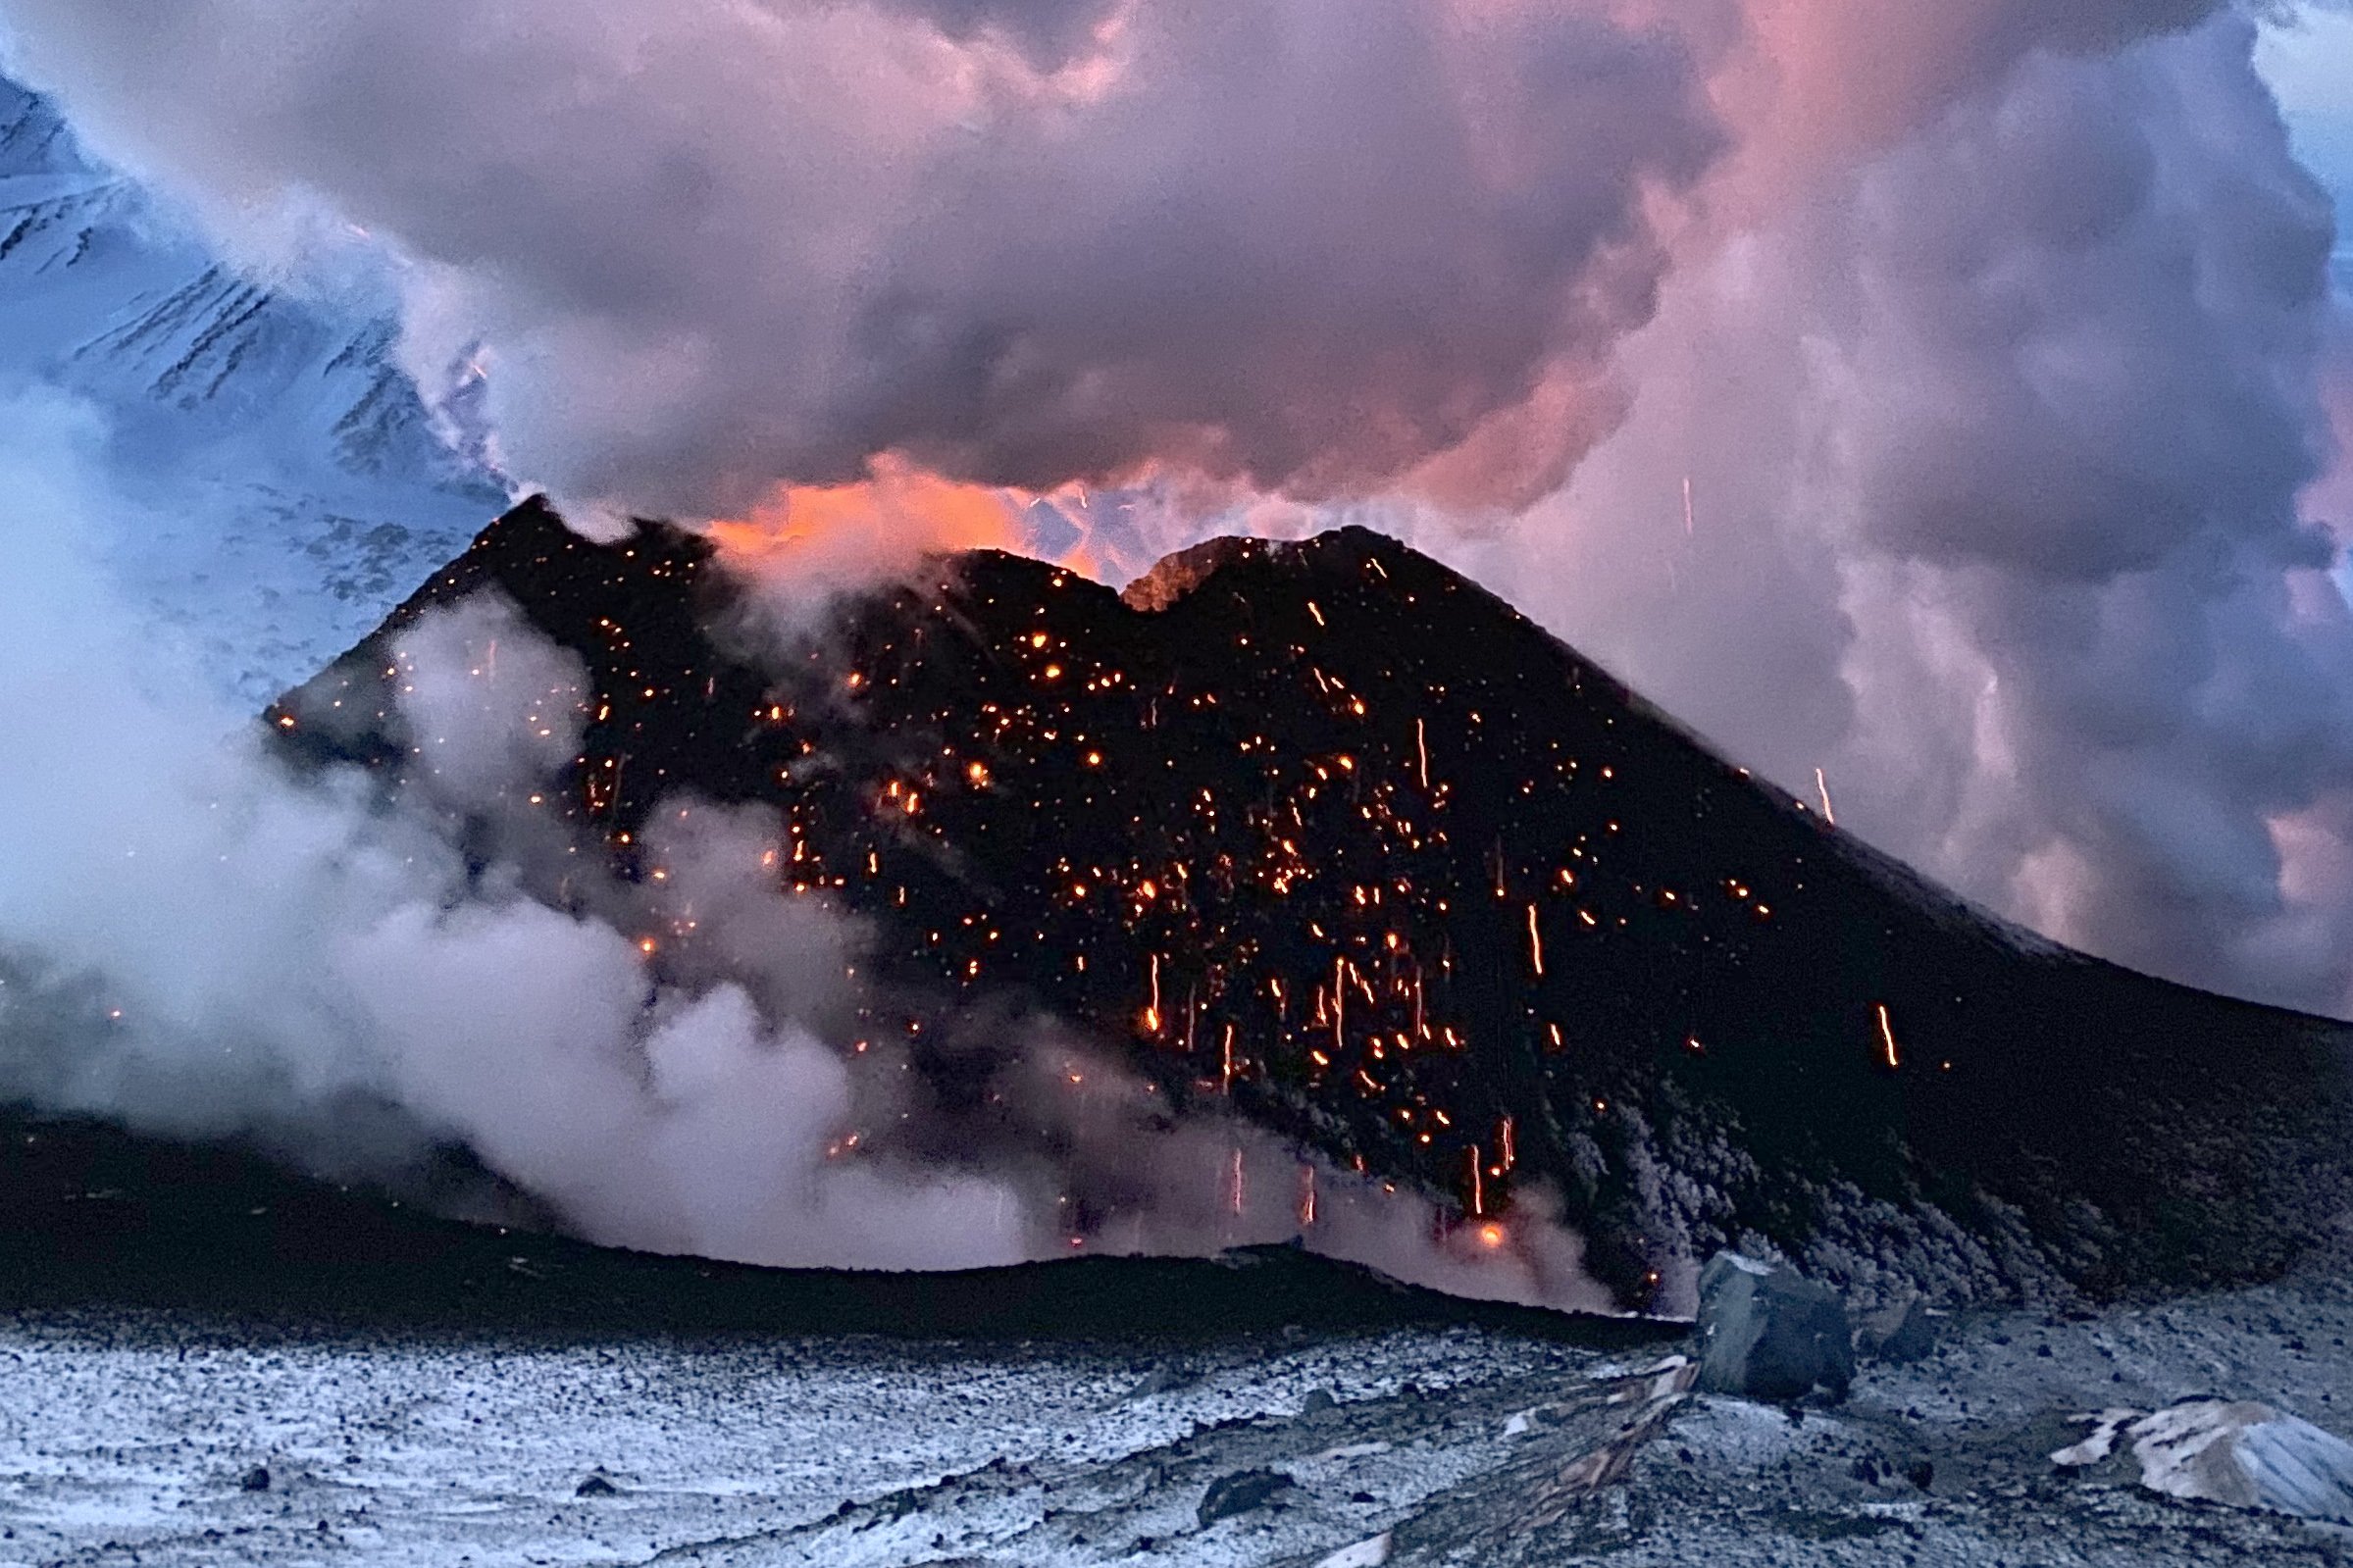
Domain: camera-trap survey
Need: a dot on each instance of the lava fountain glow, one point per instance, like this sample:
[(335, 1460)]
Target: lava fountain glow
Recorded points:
[(831, 537)]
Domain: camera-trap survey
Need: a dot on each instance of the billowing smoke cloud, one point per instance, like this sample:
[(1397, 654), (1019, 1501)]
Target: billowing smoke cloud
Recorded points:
[(2330, 500), (197, 940), (704, 246), (1995, 441), (1971, 458)]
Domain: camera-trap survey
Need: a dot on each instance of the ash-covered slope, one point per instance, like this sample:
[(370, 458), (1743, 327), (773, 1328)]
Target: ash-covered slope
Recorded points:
[(94, 1217), (1329, 829)]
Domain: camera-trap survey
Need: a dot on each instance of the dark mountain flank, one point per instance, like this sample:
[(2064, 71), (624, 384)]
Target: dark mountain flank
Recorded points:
[(92, 1217), (1330, 830)]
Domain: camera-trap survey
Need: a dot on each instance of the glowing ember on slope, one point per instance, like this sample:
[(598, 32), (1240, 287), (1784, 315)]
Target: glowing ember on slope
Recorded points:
[(1214, 834)]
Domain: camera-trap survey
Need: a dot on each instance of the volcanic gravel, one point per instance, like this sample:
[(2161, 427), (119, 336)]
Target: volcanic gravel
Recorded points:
[(131, 1437)]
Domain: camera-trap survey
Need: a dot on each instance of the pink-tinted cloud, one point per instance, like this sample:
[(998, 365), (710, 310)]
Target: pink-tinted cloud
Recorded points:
[(704, 246)]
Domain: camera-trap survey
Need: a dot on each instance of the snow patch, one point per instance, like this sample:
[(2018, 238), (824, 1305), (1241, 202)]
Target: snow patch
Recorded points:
[(2235, 1452), (1364, 1554)]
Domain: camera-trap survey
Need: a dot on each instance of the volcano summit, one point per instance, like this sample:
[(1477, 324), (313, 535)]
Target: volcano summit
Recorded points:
[(1329, 834)]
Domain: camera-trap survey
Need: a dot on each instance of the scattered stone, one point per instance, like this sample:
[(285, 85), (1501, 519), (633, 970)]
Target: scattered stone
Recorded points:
[(1161, 1379), (1318, 1401), (256, 1479), (598, 1485), (1899, 1333), (1770, 1334), (2236, 1452), (1352, 1450), (1239, 1493)]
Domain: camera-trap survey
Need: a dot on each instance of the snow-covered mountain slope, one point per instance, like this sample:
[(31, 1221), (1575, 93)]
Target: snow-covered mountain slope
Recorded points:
[(280, 482)]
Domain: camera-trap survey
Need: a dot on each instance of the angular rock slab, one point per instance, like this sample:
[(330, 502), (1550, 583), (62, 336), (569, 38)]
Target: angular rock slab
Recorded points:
[(1372, 1553), (1898, 1334), (1239, 1493), (1770, 1334), (2235, 1452)]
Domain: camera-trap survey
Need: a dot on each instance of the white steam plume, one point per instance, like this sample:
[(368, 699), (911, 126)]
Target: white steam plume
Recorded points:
[(198, 940)]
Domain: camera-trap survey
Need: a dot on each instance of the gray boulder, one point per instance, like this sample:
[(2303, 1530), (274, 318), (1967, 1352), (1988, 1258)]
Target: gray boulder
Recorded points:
[(1900, 1334), (1239, 1494), (1770, 1334)]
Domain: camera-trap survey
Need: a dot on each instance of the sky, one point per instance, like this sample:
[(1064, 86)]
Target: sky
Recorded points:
[(2310, 66)]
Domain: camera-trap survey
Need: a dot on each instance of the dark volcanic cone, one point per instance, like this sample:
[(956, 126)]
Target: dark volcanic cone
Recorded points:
[(1326, 829)]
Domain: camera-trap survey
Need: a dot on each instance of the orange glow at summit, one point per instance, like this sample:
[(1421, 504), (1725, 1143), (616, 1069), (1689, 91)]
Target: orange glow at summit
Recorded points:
[(837, 535)]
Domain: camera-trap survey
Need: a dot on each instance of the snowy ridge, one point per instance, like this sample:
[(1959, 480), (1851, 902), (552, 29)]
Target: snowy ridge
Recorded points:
[(282, 479)]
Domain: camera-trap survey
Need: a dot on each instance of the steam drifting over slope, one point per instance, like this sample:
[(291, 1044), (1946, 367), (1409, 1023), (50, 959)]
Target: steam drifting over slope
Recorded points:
[(1324, 835), (192, 940)]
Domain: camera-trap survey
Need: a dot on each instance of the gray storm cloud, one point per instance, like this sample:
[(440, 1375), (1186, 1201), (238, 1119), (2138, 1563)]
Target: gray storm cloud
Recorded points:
[(702, 246), (1999, 440)]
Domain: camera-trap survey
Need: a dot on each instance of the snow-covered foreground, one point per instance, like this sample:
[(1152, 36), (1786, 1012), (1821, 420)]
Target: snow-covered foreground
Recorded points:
[(138, 1437)]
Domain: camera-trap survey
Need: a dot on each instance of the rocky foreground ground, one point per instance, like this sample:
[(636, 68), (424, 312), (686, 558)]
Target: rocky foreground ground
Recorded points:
[(159, 1437)]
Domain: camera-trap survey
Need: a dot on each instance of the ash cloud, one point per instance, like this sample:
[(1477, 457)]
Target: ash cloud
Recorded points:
[(1047, 32), (702, 248)]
